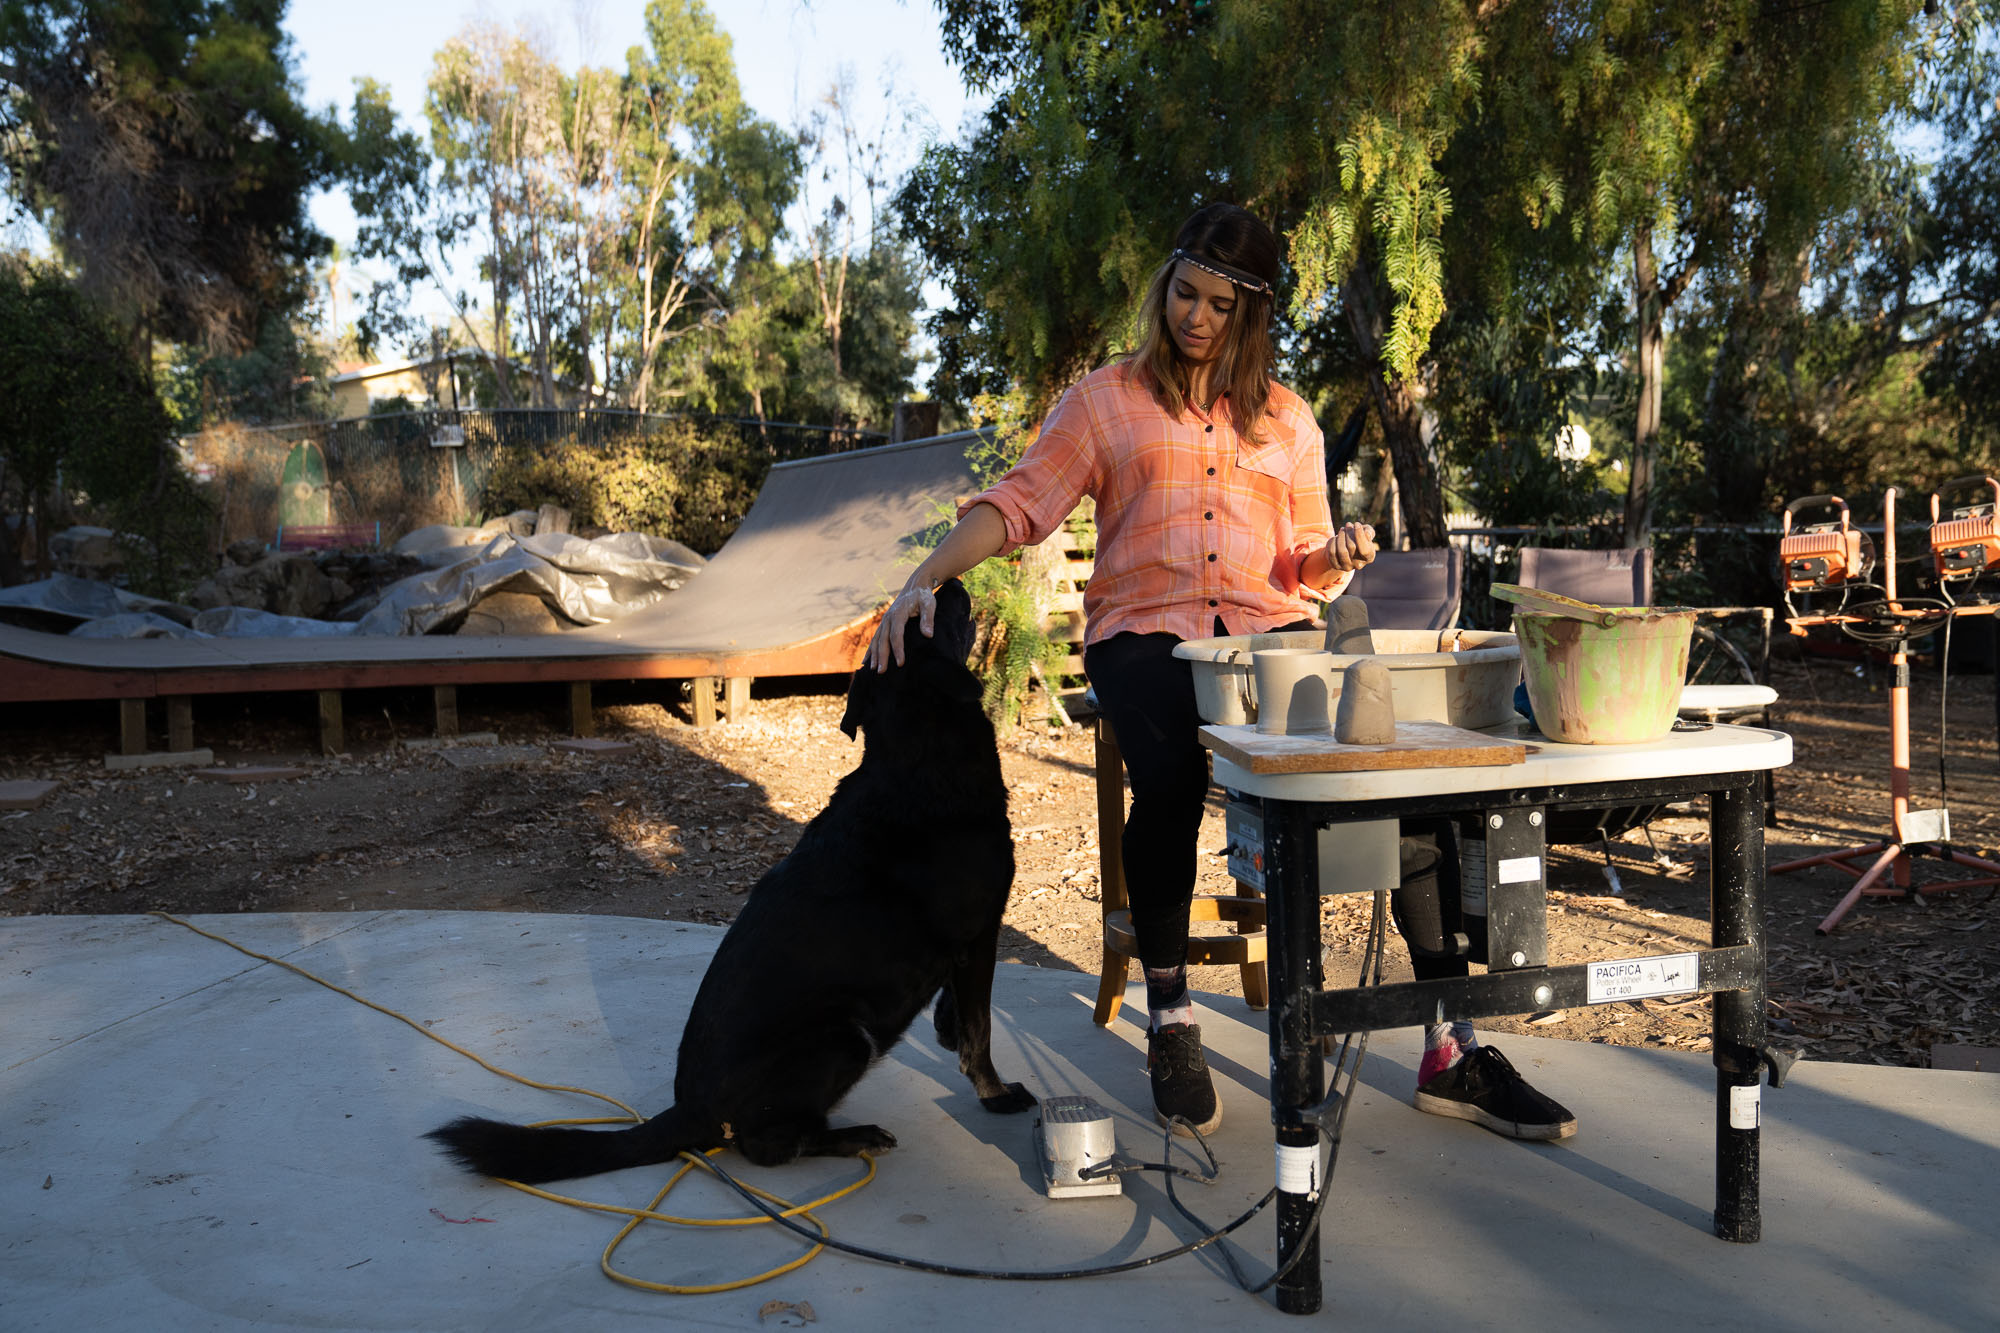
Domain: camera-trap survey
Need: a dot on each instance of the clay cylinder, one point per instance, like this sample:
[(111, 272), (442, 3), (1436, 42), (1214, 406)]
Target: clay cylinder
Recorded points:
[(1367, 714), (1294, 689), (1347, 632)]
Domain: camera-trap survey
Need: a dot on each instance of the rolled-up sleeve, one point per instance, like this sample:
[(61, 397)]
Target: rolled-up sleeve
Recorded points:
[(1053, 476), (1312, 518)]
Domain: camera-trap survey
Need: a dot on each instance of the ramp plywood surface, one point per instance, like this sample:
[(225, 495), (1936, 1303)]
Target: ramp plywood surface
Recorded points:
[(825, 547), (1417, 745)]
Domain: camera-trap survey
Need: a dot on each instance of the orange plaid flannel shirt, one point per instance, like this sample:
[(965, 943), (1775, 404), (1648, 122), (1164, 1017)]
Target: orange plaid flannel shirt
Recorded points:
[(1193, 521)]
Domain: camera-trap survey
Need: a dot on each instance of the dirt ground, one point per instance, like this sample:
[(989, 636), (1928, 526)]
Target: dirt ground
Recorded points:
[(683, 825)]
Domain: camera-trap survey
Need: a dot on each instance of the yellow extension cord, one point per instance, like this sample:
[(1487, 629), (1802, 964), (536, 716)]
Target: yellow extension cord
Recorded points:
[(636, 1217)]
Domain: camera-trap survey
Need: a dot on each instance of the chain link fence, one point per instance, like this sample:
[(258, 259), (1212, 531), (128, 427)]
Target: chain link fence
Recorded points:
[(406, 470)]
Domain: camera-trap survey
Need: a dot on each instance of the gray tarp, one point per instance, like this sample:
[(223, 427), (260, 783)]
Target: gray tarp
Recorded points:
[(589, 581), (81, 599)]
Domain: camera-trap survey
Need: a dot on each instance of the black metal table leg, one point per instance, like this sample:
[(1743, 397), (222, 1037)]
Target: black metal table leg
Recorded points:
[(1291, 867), (1736, 916)]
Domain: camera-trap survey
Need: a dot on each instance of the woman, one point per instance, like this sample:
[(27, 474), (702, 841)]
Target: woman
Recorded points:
[(1212, 519)]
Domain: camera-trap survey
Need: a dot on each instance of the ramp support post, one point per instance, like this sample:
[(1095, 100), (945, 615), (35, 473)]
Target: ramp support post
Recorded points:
[(180, 723), (702, 695), (582, 718), (131, 726), (332, 732), (444, 700), (735, 698)]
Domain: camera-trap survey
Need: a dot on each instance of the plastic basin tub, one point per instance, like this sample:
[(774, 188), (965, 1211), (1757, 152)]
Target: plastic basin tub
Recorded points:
[(1471, 686)]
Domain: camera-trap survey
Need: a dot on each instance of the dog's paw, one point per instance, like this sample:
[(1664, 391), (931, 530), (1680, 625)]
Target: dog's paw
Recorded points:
[(867, 1138), (1011, 1102)]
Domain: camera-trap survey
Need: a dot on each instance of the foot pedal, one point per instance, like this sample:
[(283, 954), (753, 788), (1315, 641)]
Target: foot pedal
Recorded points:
[(1075, 1136)]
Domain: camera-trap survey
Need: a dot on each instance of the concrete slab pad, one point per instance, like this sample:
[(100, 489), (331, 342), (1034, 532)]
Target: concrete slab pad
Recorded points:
[(121, 763), (1984, 1059), (450, 742), (194, 1138), (25, 793), (262, 773), (595, 745), (493, 756)]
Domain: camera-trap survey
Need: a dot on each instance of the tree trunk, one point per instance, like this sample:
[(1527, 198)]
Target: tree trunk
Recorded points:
[(1397, 408), (1650, 302), (1736, 452)]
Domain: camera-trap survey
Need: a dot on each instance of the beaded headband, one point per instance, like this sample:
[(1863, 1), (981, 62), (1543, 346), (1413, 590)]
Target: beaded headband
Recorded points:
[(1223, 271)]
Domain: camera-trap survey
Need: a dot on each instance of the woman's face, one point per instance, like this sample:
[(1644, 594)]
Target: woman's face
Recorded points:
[(1198, 309)]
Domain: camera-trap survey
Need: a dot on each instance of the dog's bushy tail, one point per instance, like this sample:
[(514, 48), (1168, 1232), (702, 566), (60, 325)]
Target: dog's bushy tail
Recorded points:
[(532, 1156)]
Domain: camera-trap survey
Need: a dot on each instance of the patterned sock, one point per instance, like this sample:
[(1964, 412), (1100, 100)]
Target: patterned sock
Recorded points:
[(1445, 1044), (1167, 996), (1440, 1052)]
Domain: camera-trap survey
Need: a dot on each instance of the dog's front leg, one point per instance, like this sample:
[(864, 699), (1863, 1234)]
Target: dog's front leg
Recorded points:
[(970, 995)]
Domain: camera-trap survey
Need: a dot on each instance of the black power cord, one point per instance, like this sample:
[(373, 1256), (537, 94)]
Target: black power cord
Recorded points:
[(991, 1274), (1342, 1069)]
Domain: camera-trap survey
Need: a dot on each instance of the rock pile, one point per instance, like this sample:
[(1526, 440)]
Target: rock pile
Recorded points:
[(312, 584)]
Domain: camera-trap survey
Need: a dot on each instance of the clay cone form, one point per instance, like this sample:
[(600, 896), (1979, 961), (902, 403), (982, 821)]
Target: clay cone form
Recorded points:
[(1367, 713)]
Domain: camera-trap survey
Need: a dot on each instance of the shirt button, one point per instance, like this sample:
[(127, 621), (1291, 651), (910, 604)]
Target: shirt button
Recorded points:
[(1209, 430), (1211, 558), (1213, 602), (1210, 516), (1211, 472)]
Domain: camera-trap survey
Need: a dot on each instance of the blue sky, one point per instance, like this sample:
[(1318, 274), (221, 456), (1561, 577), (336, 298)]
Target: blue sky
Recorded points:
[(787, 53)]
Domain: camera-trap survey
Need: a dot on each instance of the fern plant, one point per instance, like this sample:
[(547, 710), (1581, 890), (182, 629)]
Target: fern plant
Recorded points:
[(1009, 598)]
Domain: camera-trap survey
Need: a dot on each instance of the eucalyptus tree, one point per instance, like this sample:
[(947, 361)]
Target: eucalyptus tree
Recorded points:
[(708, 183), (164, 148)]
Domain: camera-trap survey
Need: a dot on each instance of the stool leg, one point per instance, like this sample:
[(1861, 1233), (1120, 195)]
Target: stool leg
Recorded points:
[(1110, 765), (1256, 980)]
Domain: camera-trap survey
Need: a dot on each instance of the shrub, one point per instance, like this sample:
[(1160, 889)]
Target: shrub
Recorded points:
[(672, 482), (86, 432)]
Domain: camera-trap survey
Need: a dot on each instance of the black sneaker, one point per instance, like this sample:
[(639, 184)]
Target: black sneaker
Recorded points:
[(1485, 1089), (1181, 1086)]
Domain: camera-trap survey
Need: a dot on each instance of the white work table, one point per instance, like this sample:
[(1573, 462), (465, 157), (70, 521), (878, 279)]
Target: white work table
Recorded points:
[(1716, 749), (1504, 808)]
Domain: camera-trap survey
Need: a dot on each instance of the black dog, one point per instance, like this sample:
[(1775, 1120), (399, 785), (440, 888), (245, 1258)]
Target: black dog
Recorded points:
[(894, 891)]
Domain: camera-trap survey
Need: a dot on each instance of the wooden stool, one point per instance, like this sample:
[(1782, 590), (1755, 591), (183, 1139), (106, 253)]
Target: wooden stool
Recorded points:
[(1245, 910)]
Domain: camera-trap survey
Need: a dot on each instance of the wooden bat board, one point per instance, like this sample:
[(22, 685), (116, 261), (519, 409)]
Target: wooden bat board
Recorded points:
[(1417, 745)]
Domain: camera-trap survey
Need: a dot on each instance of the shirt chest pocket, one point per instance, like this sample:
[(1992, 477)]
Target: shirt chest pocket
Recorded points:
[(1266, 467)]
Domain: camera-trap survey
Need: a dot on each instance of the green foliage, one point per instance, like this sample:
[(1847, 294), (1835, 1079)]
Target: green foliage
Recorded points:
[(674, 482), (165, 149), (165, 534), (771, 357), (1436, 167), (85, 428), (279, 377), (1009, 602)]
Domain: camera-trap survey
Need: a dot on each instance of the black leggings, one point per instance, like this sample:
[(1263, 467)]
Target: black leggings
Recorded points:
[(1148, 695)]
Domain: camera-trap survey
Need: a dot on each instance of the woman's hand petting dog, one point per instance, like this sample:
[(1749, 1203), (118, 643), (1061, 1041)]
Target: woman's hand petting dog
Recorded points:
[(888, 644)]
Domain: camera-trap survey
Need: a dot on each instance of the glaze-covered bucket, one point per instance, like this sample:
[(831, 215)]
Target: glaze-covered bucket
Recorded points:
[(1590, 685)]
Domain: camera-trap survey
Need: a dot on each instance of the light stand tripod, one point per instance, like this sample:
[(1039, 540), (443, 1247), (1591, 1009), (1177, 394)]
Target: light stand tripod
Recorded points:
[(1925, 832)]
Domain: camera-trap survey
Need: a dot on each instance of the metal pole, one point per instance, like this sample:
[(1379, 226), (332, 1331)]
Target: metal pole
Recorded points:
[(1736, 917), (1298, 1079)]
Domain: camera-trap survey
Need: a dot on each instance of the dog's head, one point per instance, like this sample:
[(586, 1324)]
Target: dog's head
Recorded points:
[(933, 665)]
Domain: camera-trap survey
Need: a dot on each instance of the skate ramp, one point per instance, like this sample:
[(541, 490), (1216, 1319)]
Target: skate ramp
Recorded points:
[(797, 589)]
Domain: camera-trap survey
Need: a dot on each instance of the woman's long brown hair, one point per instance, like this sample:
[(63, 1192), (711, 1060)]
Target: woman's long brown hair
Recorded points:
[(1234, 238)]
